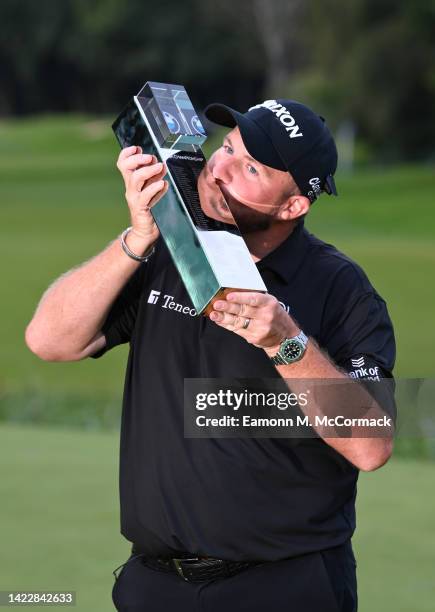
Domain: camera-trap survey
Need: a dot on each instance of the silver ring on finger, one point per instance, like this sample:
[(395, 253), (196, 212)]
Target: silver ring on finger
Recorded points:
[(246, 323)]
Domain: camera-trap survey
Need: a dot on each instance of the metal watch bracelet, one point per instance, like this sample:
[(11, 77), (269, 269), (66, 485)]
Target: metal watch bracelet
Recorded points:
[(129, 252)]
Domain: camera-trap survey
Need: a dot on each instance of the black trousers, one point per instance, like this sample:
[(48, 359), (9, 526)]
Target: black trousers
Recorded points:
[(317, 582)]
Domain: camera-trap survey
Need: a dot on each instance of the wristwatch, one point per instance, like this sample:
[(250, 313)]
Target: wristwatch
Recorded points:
[(291, 350)]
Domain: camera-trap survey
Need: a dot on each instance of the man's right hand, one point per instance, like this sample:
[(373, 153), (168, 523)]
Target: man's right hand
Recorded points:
[(144, 186)]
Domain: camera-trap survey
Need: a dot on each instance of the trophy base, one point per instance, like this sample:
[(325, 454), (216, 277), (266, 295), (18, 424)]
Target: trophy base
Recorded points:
[(221, 295)]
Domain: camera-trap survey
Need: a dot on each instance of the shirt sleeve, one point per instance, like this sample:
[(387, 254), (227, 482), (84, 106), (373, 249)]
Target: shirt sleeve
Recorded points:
[(357, 330), (120, 321), (359, 336)]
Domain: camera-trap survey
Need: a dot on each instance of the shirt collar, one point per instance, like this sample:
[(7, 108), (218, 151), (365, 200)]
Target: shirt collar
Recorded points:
[(288, 256)]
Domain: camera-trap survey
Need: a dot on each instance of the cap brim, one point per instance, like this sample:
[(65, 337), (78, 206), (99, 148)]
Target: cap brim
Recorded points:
[(256, 141), (221, 115), (329, 186)]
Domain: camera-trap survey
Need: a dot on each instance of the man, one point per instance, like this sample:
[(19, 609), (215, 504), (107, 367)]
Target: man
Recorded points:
[(231, 524)]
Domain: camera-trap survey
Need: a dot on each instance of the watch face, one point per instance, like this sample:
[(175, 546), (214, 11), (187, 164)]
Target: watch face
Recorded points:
[(292, 350)]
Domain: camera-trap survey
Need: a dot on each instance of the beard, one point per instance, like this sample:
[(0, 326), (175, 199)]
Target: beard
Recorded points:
[(248, 220)]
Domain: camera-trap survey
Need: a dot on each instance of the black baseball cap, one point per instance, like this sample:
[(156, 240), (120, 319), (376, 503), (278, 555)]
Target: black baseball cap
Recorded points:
[(288, 136)]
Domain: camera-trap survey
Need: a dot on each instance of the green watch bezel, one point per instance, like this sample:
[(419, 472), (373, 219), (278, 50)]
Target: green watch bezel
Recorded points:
[(281, 359)]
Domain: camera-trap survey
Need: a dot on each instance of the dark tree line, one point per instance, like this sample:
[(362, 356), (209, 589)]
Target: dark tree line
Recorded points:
[(369, 62)]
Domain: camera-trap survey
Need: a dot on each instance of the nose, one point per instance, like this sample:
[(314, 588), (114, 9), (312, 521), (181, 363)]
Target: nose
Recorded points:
[(221, 169)]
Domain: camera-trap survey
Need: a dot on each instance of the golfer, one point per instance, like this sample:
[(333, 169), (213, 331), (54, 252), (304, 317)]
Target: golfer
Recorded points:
[(237, 524)]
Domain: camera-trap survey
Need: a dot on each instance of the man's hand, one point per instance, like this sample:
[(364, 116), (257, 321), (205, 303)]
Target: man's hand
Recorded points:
[(143, 188), (257, 317)]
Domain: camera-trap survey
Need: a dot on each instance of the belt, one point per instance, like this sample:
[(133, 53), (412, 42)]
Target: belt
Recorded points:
[(198, 569)]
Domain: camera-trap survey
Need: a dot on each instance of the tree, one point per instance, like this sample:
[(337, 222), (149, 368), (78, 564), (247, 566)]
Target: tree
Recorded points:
[(279, 27)]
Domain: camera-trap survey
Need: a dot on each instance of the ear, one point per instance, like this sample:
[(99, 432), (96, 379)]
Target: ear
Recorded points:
[(295, 206)]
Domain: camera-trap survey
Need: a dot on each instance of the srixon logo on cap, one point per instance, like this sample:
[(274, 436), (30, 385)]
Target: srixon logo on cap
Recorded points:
[(283, 115)]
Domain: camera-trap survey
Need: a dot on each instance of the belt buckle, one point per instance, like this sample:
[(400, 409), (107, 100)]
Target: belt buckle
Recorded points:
[(179, 567)]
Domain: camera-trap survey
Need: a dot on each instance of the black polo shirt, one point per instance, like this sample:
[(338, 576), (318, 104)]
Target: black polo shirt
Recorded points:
[(237, 498)]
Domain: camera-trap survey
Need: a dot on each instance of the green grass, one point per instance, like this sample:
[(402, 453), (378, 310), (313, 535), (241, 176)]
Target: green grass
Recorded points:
[(59, 513), (395, 538), (60, 509)]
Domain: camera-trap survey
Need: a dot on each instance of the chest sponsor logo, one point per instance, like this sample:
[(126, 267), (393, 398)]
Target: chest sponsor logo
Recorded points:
[(281, 112), (168, 303)]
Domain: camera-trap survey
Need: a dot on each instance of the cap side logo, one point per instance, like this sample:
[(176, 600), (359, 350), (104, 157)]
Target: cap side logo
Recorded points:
[(315, 184), (283, 115)]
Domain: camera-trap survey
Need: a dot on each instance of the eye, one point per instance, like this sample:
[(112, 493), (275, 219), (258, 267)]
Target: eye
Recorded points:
[(251, 169), (228, 149)]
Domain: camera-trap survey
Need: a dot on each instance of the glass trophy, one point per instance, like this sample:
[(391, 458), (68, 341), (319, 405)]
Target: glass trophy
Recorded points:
[(210, 255)]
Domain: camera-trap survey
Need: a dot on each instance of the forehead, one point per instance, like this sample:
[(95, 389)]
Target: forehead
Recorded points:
[(235, 139)]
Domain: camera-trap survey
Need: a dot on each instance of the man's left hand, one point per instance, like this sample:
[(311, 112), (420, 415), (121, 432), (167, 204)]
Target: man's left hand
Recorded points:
[(257, 317)]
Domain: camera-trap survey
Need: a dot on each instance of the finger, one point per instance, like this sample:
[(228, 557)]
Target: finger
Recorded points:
[(140, 177), (241, 310), (159, 194), (136, 161), (152, 193), (228, 320), (127, 164), (128, 152), (157, 177), (250, 298)]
